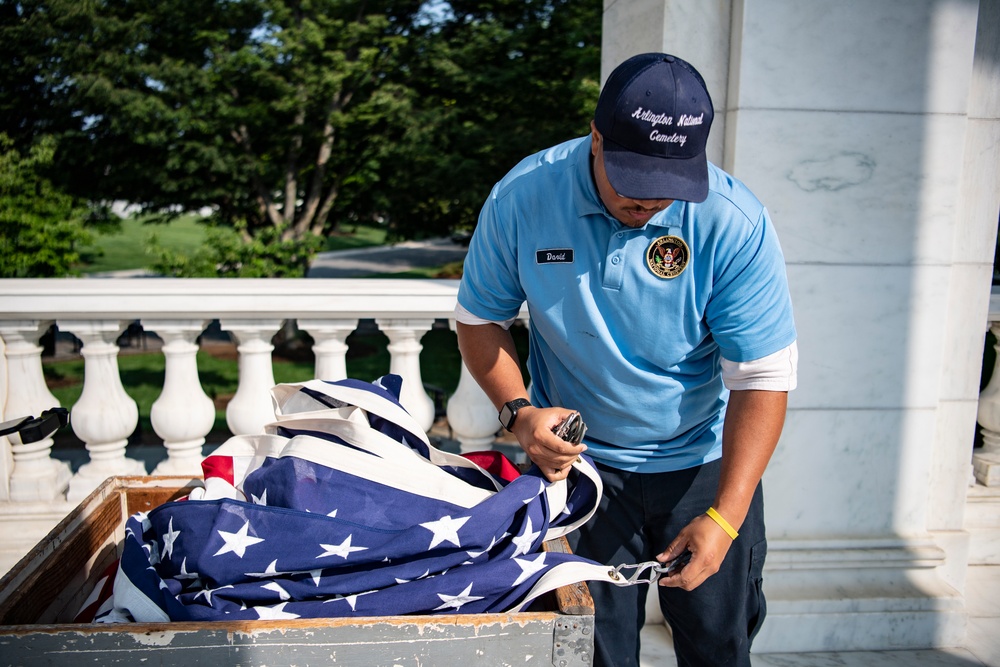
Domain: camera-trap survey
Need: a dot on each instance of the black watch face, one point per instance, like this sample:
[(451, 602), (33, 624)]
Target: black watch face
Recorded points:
[(507, 416), (508, 413)]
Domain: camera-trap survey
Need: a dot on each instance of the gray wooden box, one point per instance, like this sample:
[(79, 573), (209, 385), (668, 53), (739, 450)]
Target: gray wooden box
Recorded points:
[(42, 593)]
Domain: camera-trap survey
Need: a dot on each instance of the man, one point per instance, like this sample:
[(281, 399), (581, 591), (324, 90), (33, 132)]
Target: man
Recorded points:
[(659, 310)]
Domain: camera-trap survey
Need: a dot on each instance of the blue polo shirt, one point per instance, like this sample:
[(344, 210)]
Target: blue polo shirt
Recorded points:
[(636, 351)]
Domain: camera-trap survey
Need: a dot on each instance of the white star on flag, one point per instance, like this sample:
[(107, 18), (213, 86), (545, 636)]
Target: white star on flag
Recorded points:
[(445, 529), (541, 490), (276, 587), (456, 601), (477, 554), (269, 571), (237, 542), (259, 501), (184, 574), (153, 549), (344, 549), (529, 567), (169, 538), (524, 541), (272, 570), (274, 613), (207, 593), (352, 600)]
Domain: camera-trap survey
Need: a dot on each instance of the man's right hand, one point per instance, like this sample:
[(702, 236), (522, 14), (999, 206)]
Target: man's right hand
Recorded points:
[(534, 431), (491, 356)]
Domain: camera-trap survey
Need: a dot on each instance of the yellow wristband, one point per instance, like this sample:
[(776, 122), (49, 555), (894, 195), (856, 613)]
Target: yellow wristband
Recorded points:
[(717, 518)]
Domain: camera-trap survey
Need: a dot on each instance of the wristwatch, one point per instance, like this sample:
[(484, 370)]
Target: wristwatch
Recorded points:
[(508, 413)]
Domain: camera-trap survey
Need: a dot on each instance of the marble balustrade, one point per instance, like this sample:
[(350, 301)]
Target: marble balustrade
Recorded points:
[(37, 489), (179, 312)]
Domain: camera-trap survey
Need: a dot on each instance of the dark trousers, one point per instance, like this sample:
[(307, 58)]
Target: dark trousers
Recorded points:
[(639, 514)]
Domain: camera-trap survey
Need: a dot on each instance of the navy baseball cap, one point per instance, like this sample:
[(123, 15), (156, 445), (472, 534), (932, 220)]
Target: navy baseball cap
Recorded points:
[(654, 114)]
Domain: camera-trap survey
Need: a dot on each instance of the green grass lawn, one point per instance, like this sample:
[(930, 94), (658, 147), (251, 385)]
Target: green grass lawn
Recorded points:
[(126, 249), (356, 236)]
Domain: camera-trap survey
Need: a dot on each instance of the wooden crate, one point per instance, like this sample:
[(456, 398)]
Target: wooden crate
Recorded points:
[(42, 593)]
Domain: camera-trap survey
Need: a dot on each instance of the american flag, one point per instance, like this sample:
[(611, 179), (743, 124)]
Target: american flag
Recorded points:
[(343, 508)]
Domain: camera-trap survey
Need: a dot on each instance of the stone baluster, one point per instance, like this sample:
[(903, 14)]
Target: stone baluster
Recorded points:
[(104, 416), (404, 360), (6, 456), (471, 414), (986, 463), (183, 414), (329, 346), (35, 475), (251, 408)]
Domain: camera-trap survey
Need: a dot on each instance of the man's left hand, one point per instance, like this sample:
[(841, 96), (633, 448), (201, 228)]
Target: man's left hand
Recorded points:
[(708, 544)]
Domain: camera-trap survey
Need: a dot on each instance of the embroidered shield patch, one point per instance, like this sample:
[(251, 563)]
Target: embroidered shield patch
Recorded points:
[(668, 256)]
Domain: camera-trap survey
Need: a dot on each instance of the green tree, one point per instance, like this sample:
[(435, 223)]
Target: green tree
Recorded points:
[(287, 117), (237, 106), (40, 227), (498, 80)]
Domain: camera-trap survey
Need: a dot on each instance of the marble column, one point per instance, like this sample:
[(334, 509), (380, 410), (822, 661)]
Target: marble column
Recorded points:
[(34, 475), (105, 415), (6, 455), (329, 346), (471, 414), (404, 352), (183, 414), (251, 407)]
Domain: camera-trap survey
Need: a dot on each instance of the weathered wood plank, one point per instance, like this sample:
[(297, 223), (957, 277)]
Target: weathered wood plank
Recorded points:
[(52, 580), (575, 598), (143, 499), (30, 600)]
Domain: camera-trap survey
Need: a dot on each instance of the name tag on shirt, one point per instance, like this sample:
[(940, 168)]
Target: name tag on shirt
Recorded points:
[(554, 256)]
